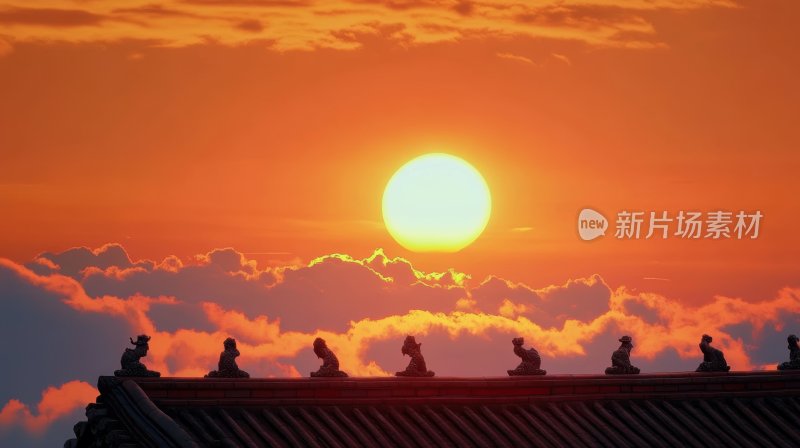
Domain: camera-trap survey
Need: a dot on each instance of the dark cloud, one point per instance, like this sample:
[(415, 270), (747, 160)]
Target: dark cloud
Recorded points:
[(192, 284), (584, 16), (402, 5), (252, 25), (72, 328), (647, 313), (154, 10), (47, 342), (583, 299), (464, 8), (327, 294), (374, 35), (230, 261), (768, 344), (256, 3), (54, 435), (74, 261), (49, 17), (233, 22), (331, 293)]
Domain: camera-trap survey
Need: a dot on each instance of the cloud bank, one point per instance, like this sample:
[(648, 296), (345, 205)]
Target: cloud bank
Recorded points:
[(56, 402), (340, 24), (70, 315)]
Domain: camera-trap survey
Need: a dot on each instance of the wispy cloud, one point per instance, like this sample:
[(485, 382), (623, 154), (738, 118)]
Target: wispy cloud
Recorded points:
[(49, 17), (521, 229), (562, 58), (340, 24), (516, 58)]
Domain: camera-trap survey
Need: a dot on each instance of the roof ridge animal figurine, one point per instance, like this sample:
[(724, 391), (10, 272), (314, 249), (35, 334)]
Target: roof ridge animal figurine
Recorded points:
[(621, 359), (131, 366), (417, 366), (713, 359), (227, 362), (531, 361), (794, 355), (330, 363)]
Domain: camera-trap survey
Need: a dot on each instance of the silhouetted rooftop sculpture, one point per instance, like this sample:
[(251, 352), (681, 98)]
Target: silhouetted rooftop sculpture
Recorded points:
[(416, 367), (330, 363), (531, 361), (794, 355), (227, 362), (621, 359), (130, 359), (743, 409), (713, 359)]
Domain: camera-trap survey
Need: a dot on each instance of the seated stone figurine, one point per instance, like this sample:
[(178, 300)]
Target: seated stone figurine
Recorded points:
[(794, 355), (130, 359), (416, 367), (330, 363), (621, 359), (227, 362), (530, 360), (713, 359)]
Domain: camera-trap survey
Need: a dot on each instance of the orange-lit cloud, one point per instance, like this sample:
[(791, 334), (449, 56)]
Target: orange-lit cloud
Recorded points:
[(566, 323), (515, 57), (133, 309), (559, 319), (341, 24), (563, 58), (680, 329), (56, 402)]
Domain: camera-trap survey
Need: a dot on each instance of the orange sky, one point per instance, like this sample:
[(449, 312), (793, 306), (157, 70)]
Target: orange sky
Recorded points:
[(122, 124), (273, 126)]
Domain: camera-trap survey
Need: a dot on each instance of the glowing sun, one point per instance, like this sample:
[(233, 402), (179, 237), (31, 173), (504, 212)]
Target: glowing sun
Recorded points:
[(436, 203)]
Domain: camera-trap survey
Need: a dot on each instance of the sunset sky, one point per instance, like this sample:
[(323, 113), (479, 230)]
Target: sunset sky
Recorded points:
[(198, 169)]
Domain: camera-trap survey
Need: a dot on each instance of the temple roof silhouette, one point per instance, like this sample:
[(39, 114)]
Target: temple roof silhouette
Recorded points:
[(664, 410)]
